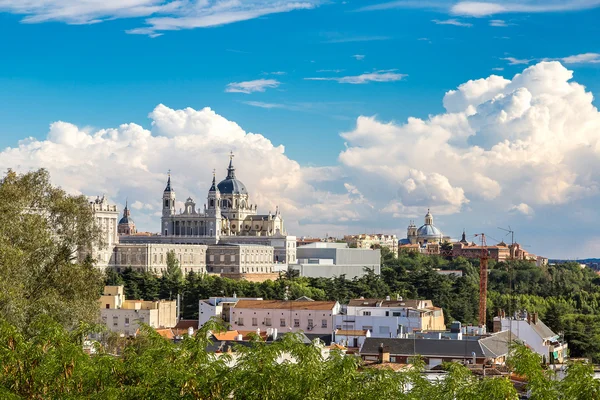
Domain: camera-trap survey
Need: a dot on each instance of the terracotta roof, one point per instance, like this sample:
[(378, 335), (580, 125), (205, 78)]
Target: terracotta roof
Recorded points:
[(167, 333), (228, 335), (354, 332), (384, 303), (286, 305), (186, 323), (335, 346)]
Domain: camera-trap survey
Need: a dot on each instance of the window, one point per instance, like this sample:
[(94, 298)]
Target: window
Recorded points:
[(126, 321), (254, 321), (324, 323), (240, 321), (296, 323), (366, 312), (222, 258), (268, 321), (396, 314), (212, 257), (365, 327), (115, 321), (310, 323), (232, 259), (282, 322), (387, 313), (108, 306)]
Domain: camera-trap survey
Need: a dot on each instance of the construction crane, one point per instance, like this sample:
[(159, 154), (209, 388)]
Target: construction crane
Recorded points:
[(483, 279)]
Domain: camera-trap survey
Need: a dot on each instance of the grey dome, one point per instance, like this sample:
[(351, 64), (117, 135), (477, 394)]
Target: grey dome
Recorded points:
[(231, 185), (429, 231), (126, 221)]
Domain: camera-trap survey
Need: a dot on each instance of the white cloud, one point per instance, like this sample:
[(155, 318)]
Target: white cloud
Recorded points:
[(585, 58), (452, 21), (516, 61), (262, 104), (257, 85), (497, 69), (339, 38), (498, 23), (522, 209), (376, 76), (481, 9), (359, 57), (163, 15)]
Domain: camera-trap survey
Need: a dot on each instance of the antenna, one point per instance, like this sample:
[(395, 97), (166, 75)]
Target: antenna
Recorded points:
[(483, 268)]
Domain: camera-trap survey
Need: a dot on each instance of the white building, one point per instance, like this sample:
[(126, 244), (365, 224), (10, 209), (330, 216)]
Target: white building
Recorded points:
[(326, 260), (390, 318), (311, 317), (218, 307), (106, 217), (528, 328)]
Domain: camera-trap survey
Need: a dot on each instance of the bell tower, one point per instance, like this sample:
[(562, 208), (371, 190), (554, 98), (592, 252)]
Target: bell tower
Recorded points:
[(168, 199)]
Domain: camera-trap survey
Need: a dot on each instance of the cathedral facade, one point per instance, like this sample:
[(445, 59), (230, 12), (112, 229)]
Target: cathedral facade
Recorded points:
[(427, 233), (227, 212)]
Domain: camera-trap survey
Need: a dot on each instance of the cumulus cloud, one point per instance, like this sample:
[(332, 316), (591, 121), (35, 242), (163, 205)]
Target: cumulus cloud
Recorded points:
[(165, 15), (522, 209), (257, 85), (527, 140), (376, 76)]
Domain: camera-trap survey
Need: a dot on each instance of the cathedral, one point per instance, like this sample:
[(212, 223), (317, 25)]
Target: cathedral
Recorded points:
[(427, 233), (227, 212)]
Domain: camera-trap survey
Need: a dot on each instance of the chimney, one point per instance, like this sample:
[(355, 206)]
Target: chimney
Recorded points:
[(529, 318), (534, 317), (387, 298), (275, 334), (239, 337), (384, 354)]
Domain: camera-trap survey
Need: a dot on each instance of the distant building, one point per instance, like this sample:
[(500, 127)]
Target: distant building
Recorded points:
[(125, 316), (126, 225), (426, 233), (227, 219), (218, 307), (528, 328), (310, 317), (251, 262), (387, 318), (492, 349), (326, 260), (366, 241)]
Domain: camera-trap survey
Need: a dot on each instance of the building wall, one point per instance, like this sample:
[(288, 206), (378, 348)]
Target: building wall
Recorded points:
[(284, 320), (153, 257), (106, 219), (127, 321), (330, 271), (240, 259)]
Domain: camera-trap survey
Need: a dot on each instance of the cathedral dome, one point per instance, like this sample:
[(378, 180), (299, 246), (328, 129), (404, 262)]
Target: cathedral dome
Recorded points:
[(126, 220), (231, 185), (429, 230)]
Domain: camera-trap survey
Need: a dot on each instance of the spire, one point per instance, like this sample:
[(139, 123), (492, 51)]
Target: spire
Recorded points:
[(464, 237), (231, 169), (168, 188), (213, 188), (126, 212)]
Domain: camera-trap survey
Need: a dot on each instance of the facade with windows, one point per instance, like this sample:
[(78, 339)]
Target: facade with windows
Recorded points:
[(125, 316), (390, 318), (235, 259), (315, 317)]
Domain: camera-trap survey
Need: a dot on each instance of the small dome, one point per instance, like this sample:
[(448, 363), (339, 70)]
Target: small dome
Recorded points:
[(126, 221)]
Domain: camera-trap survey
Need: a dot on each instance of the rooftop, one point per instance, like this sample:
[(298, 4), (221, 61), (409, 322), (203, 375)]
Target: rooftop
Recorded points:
[(286, 305)]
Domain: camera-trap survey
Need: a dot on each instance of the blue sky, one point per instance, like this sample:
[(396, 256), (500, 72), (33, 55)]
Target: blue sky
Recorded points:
[(104, 65)]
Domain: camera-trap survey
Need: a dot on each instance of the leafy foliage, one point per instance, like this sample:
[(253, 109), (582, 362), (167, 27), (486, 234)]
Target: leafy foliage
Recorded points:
[(41, 228)]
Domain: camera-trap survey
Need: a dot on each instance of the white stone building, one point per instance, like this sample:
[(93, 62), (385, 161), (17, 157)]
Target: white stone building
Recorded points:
[(106, 216), (218, 307), (311, 317), (390, 318)]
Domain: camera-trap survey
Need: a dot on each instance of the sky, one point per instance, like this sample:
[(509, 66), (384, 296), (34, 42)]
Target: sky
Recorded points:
[(350, 116)]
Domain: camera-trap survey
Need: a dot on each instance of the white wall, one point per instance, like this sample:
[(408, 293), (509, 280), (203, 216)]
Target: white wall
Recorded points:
[(288, 317)]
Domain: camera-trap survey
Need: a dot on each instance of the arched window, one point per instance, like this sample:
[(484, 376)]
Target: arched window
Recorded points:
[(212, 203)]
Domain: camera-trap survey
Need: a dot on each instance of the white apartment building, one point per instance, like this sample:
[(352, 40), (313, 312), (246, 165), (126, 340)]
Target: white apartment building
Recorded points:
[(125, 316), (367, 241), (218, 307), (310, 317), (528, 328), (390, 318)]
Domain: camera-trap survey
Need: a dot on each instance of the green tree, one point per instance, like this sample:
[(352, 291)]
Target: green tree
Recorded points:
[(172, 282), (42, 228)]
